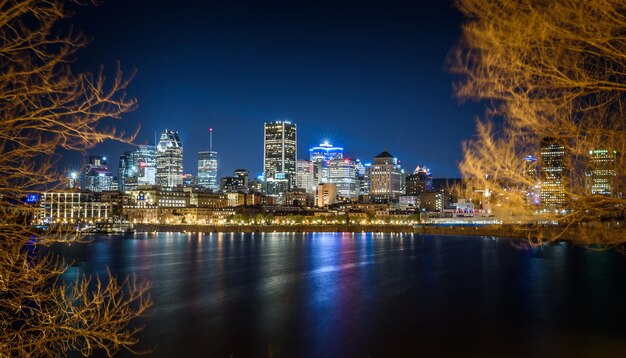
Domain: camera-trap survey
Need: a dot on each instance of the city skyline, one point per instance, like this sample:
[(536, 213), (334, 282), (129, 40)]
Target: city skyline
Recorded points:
[(367, 80)]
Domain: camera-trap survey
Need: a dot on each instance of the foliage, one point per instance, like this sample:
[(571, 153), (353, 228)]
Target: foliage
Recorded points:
[(550, 70), (47, 108)]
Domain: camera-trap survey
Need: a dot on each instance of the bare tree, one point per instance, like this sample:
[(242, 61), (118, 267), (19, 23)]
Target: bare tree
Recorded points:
[(554, 75), (45, 108)]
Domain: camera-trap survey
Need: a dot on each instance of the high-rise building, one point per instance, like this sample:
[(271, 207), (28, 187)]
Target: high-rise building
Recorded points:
[(364, 171), (531, 176), (305, 175), (385, 178), (553, 174), (325, 152), (420, 181), (603, 172), (169, 160), (145, 160), (326, 194), (321, 156), (97, 177), (237, 183), (207, 167), (279, 156), (243, 175), (343, 173)]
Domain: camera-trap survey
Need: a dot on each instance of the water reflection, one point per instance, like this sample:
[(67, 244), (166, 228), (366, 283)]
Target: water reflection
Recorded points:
[(365, 294)]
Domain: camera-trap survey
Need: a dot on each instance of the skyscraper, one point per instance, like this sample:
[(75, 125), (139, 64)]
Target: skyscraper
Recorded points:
[(343, 173), (553, 176), (304, 175), (279, 156), (169, 160), (603, 172), (321, 156), (97, 177), (420, 181), (145, 159), (385, 178), (207, 167)]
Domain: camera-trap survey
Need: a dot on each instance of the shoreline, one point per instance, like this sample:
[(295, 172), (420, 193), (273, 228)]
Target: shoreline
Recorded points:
[(581, 235)]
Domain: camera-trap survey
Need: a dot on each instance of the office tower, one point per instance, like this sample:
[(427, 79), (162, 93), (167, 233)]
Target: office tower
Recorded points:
[(169, 160), (326, 194), (305, 175), (237, 183), (73, 181), (553, 174), (325, 152), (531, 172), (343, 173), (127, 172), (97, 177), (321, 156), (243, 176), (364, 171), (385, 178), (145, 160), (603, 171), (207, 167), (279, 157), (531, 176), (420, 181)]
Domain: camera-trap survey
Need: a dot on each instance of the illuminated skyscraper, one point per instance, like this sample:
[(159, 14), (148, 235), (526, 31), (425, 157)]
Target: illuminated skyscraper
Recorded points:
[(305, 175), (169, 160), (207, 167), (279, 156), (97, 177), (531, 175), (321, 156), (553, 175), (343, 173), (420, 181), (145, 159), (385, 178), (603, 172)]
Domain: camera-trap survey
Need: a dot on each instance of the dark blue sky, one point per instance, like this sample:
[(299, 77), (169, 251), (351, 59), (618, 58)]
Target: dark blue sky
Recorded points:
[(368, 76)]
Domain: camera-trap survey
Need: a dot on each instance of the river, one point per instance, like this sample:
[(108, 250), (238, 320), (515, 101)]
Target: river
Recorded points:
[(366, 295)]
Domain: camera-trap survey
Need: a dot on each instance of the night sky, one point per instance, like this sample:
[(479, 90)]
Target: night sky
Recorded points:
[(366, 76)]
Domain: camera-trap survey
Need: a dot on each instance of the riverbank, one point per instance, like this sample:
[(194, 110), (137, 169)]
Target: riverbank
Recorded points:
[(580, 235)]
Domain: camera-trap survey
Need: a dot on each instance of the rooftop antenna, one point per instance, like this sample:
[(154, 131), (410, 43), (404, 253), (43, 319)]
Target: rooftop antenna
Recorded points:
[(211, 139), (155, 141)]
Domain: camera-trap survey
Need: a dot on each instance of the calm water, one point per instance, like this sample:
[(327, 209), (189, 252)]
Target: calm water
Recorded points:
[(360, 295)]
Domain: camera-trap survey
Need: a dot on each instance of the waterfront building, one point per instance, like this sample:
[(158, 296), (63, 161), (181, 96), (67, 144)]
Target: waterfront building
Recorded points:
[(97, 177), (297, 197), (74, 207), (169, 160), (279, 157), (326, 194), (305, 178), (343, 173), (207, 167), (236, 199), (409, 202), (603, 172), (420, 181), (553, 174), (385, 178), (434, 200)]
